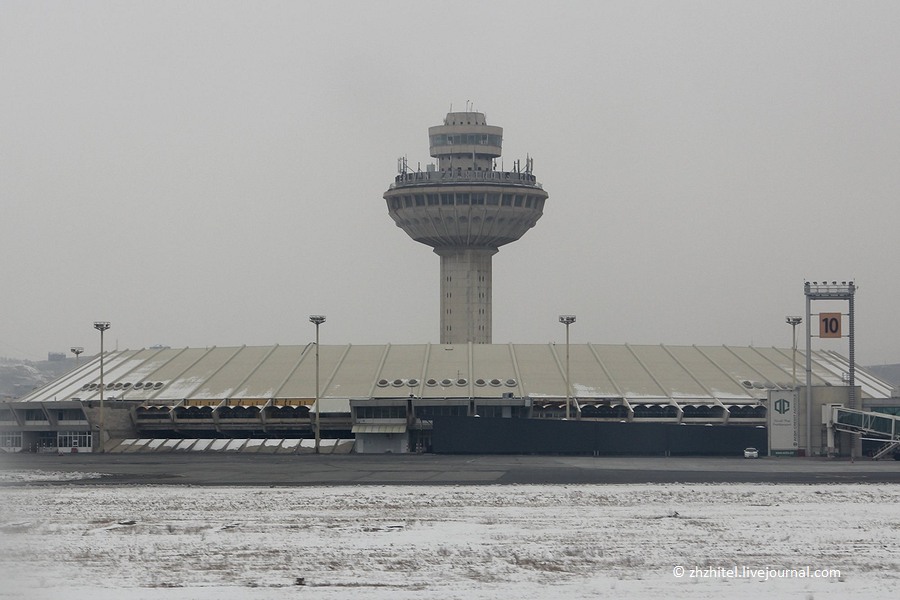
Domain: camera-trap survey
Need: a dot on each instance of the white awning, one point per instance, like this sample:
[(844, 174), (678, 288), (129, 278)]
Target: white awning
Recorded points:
[(378, 428), (332, 405)]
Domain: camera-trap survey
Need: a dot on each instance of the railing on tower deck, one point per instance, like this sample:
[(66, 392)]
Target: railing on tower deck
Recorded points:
[(500, 177)]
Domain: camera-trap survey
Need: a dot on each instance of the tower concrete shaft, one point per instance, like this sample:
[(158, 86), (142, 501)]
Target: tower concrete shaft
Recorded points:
[(465, 209), (465, 294)]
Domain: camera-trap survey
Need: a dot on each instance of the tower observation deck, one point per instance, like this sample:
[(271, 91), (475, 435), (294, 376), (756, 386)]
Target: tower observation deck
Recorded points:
[(465, 209)]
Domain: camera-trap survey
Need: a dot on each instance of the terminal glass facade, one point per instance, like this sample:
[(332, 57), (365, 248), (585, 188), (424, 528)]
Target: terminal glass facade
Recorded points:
[(74, 439), (10, 440)]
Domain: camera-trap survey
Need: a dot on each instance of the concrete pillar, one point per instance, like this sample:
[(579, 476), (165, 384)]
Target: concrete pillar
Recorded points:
[(465, 294)]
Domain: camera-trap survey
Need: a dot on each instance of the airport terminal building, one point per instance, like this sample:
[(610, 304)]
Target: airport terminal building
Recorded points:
[(387, 398), (405, 398)]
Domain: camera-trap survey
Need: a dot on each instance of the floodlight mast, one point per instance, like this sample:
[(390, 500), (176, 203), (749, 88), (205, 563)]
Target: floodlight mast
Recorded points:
[(793, 322), (567, 320), (317, 320), (76, 350), (101, 326)]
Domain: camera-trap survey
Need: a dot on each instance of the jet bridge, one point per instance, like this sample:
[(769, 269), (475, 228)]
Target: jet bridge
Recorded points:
[(879, 426)]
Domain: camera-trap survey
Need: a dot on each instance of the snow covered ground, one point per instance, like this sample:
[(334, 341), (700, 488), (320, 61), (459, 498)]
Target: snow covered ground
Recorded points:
[(492, 542), (23, 476)]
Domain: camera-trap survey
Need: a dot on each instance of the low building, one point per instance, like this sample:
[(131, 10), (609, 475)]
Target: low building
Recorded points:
[(387, 396)]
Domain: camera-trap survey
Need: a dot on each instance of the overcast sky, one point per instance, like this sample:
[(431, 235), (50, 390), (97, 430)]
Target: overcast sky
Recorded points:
[(211, 173)]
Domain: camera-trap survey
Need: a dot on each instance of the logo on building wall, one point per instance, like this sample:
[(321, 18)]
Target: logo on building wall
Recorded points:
[(784, 422)]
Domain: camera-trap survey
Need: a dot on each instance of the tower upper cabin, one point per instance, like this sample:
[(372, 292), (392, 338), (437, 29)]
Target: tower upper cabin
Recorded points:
[(465, 142)]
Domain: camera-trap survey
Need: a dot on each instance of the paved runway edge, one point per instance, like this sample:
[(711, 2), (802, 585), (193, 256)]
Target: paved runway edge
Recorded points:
[(309, 470)]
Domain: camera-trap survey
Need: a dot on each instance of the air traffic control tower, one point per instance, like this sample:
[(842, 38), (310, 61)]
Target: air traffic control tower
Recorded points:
[(465, 209)]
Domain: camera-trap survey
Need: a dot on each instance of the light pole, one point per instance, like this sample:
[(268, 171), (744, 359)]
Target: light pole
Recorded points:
[(793, 322), (101, 326), (567, 320), (317, 320), (76, 350)]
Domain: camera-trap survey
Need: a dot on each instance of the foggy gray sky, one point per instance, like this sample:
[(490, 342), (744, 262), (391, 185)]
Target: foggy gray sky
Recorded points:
[(211, 173)]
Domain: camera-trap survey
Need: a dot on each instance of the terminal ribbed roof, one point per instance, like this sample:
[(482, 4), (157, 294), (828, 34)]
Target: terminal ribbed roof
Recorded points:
[(644, 373)]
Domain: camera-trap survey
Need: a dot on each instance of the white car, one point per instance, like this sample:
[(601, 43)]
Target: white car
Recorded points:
[(751, 453)]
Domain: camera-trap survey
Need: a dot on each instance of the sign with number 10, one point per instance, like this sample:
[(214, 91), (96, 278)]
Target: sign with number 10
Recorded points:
[(830, 325)]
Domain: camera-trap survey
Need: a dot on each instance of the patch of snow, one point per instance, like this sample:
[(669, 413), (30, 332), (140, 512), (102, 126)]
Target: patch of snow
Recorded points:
[(235, 445), (36, 476), (290, 444), (479, 542)]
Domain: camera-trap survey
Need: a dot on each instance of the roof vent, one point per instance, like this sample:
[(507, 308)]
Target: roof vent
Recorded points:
[(446, 382), (398, 382), (480, 382), (157, 385), (511, 382), (412, 382), (431, 382), (462, 381), (383, 383), (496, 382)]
